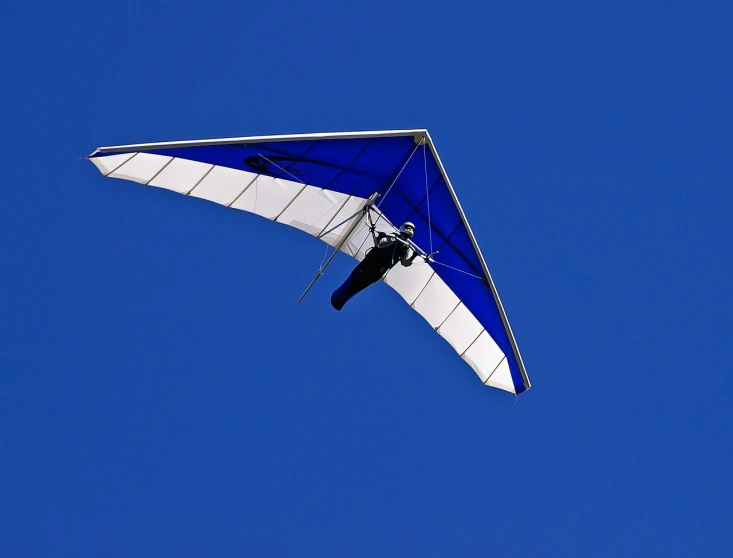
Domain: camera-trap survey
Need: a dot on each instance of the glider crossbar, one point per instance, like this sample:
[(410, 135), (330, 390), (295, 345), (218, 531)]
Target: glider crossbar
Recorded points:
[(409, 243)]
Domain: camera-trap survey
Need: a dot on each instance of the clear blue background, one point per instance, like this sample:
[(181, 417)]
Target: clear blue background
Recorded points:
[(161, 392)]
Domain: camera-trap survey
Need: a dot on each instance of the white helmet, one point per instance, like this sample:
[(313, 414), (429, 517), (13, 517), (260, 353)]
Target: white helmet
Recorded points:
[(407, 229)]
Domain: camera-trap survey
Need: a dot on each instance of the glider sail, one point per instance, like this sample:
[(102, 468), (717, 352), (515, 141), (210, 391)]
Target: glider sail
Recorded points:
[(321, 184)]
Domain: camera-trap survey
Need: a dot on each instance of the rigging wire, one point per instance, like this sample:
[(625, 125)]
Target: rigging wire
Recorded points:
[(282, 169), (379, 213), (459, 270), (323, 259), (399, 174), (427, 195)]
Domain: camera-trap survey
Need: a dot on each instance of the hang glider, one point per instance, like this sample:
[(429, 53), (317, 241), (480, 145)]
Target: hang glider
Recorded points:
[(333, 186)]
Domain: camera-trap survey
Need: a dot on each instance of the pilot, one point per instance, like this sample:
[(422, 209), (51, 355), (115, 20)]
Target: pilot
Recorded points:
[(388, 251)]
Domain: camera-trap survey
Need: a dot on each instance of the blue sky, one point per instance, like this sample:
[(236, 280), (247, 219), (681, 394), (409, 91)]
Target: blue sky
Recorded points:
[(161, 392)]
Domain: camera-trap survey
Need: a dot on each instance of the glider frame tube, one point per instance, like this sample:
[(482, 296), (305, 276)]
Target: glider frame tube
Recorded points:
[(494, 292), (345, 238)]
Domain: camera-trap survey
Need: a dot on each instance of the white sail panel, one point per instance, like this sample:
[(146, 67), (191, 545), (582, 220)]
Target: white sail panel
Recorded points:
[(313, 209), (428, 294), (223, 185), (502, 378), (460, 329), (107, 164), (436, 302), (143, 167), (268, 196), (335, 236), (409, 282), (484, 355), (181, 175)]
